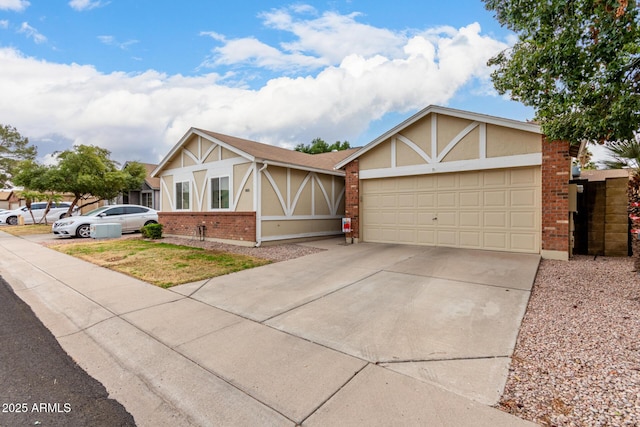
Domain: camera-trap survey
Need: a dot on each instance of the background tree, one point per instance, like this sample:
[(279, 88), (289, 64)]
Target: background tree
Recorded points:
[(88, 171), (318, 145), (38, 185), (576, 62), (14, 148)]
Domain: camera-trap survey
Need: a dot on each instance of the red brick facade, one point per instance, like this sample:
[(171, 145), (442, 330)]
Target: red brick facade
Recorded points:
[(352, 198), (556, 172), (217, 225)]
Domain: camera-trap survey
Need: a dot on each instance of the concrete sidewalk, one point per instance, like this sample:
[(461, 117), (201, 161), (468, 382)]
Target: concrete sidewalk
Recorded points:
[(217, 354)]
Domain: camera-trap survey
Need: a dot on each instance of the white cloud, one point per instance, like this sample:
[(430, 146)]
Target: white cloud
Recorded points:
[(112, 41), (141, 116), (32, 33), (4, 24), (15, 5), (81, 5)]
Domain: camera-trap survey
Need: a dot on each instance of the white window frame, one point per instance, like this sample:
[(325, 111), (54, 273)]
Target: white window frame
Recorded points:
[(211, 199), (182, 208)]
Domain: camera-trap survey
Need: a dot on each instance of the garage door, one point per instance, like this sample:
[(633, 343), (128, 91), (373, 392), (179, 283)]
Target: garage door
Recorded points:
[(495, 209)]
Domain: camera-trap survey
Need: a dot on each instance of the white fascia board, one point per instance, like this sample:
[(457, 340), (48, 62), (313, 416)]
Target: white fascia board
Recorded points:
[(185, 137), (514, 124), (300, 167), (534, 159)]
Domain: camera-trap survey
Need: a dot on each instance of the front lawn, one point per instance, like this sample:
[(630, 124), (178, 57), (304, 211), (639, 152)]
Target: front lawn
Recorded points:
[(26, 230), (161, 264)]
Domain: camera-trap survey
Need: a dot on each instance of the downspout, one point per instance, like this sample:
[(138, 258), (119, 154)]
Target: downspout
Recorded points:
[(259, 206)]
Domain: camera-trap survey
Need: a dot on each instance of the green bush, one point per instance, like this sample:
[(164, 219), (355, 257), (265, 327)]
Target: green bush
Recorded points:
[(152, 231)]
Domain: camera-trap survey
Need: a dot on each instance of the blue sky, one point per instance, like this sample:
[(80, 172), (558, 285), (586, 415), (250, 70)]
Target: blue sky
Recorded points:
[(134, 75)]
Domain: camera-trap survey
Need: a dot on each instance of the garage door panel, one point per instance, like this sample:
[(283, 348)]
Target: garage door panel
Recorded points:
[(495, 199), (426, 200), (407, 218), (447, 219), (447, 200), (407, 200), (495, 219), (523, 197), (470, 220), (470, 200), (495, 209), (495, 240), (470, 239), (523, 220), (389, 201), (523, 242), (447, 238), (497, 178)]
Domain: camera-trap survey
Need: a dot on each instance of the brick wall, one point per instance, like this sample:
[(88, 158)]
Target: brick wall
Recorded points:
[(218, 225), (556, 172), (352, 198)]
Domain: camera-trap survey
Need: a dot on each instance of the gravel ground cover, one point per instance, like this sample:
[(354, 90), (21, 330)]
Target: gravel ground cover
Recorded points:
[(577, 357)]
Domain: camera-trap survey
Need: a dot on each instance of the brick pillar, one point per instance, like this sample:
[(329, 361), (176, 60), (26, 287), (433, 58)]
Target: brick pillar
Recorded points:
[(556, 172), (352, 199)]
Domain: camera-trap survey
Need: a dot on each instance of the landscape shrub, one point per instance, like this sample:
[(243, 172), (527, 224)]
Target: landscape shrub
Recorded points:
[(152, 231)]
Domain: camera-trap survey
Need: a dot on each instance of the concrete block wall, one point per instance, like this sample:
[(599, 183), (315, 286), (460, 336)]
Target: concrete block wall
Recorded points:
[(218, 225), (616, 219)]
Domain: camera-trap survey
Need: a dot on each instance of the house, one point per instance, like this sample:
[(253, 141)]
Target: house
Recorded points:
[(453, 178), (215, 186), (148, 195), (9, 200)]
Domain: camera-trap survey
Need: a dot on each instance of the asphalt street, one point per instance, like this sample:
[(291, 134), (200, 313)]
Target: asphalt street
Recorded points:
[(39, 383)]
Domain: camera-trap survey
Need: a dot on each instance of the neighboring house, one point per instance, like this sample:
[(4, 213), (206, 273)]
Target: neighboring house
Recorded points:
[(9, 200), (215, 186), (148, 195), (452, 178)]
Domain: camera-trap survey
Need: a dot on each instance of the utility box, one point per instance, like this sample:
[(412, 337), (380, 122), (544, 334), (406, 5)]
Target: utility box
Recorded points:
[(105, 231)]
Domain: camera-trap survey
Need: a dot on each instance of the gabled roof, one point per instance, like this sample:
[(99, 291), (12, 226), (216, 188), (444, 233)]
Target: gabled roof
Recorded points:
[(152, 182), (263, 153), (484, 118)]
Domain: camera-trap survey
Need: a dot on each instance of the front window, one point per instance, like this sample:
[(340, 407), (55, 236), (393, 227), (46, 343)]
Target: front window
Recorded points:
[(147, 200), (182, 195), (220, 193)]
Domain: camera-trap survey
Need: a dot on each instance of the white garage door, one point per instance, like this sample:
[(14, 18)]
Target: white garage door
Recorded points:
[(494, 209)]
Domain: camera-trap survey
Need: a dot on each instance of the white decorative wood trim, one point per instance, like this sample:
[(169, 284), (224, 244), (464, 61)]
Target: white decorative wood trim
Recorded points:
[(393, 152), (414, 147), (244, 181), (299, 217), (534, 159), (456, 140), (276, 189), (483, 141), (434, 136)]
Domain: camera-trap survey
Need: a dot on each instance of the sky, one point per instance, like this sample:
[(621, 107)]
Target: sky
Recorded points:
[(133, 76)]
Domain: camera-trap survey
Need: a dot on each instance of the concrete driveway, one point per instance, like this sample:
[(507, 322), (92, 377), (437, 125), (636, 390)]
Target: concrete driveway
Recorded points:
[(444, 315), (363, 334)]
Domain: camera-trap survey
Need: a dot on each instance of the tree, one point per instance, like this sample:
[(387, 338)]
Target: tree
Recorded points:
[(318, 145), (576, 62), (14, 148), (36, 179), (625, 154), (88, 171)]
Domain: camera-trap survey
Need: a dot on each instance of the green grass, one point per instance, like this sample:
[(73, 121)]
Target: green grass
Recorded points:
[(161, 264)]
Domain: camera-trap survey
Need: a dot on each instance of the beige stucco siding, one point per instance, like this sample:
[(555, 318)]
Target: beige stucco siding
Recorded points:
[(378, 157), (292, 228), (420, 134), (449, 128), (502, 141), (166, 182), (243, 194)]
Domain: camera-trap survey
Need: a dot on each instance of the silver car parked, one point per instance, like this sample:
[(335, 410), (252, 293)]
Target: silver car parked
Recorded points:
[(130, 217)]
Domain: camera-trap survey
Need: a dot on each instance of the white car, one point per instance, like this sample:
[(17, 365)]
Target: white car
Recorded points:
[(56, 211), (131, 217)]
